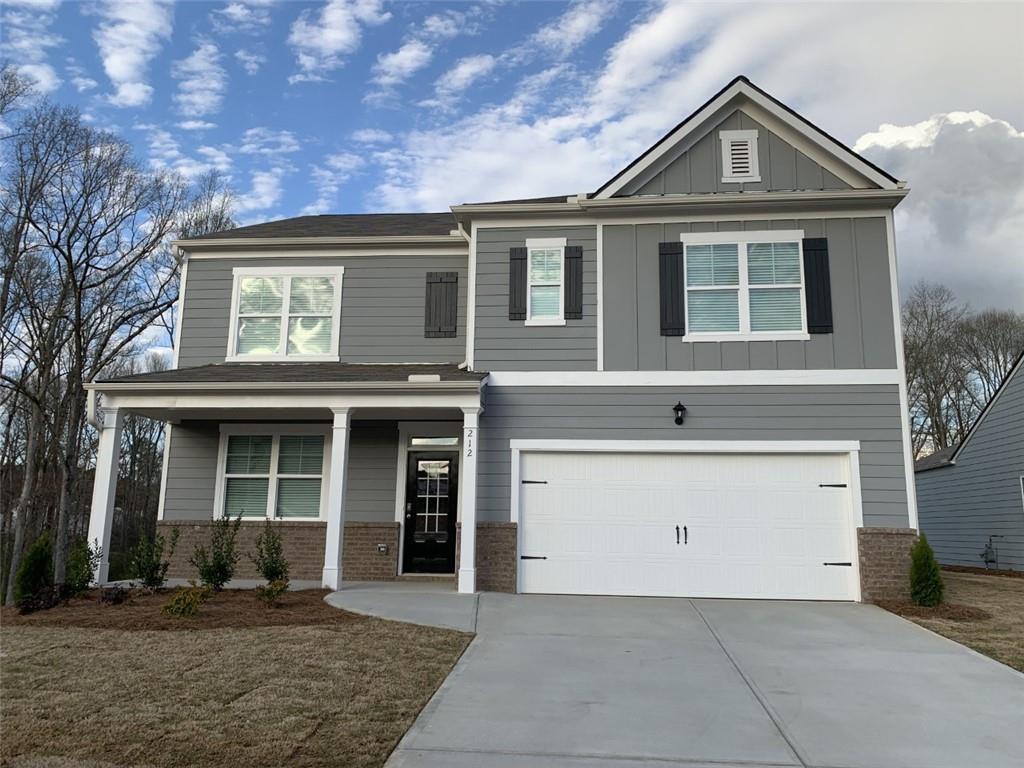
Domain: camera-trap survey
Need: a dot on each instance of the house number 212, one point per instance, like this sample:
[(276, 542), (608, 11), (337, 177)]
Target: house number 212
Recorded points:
[(469, 442)]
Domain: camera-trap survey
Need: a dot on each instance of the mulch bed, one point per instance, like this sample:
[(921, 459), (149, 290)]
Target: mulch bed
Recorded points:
[(230, 609), (984, 571), (948, 611)]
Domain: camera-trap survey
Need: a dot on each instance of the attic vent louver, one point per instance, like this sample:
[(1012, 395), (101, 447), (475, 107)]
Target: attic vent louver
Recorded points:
[(739, 156)]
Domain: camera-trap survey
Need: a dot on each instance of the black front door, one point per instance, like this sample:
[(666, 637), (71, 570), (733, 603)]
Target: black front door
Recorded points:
[(431, 492)]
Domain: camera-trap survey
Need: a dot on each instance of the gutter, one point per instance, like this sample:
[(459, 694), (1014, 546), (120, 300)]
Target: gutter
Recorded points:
[(221, 242), (313, 386)]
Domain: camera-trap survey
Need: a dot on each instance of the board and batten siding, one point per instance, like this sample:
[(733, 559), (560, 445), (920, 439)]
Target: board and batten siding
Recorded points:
[(863, 337), (192, 471), (870, 414), (382, 308), (698, 170), (961, 505), (510, 345)]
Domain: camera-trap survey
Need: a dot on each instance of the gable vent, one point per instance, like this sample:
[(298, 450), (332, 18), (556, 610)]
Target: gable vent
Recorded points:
[(739, 156)]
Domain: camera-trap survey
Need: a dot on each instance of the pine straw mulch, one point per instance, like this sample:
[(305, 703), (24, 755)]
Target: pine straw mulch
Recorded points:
[(229, 609), (947, 611), (984, 571)]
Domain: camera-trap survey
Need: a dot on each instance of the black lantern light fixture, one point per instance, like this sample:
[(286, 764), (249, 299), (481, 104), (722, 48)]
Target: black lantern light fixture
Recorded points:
[(680, 411)]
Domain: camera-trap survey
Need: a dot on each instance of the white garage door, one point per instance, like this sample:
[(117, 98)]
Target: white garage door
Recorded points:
[(695, 525)]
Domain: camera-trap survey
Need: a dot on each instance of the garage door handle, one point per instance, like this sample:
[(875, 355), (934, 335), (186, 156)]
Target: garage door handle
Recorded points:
[(533, 557), (846, 564)]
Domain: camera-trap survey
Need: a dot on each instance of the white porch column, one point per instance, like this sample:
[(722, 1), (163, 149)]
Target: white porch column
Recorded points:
[(104, 488), (336, 499), (467, 550)]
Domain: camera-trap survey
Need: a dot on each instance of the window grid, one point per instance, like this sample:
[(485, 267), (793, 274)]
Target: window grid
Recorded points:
[(272, 475), (534, 281), (432, 486)]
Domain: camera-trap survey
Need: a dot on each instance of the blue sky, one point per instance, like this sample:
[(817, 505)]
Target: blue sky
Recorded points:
[(356, 105)]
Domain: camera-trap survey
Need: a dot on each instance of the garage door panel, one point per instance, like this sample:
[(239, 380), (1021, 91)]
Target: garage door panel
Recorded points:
[(755, 525)]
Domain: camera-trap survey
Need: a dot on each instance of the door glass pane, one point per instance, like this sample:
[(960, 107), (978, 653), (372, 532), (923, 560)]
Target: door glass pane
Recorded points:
[(775, 309), (546, 265), (259, 335), (309, 335), (259, 296), (301, 455), (434, 441), (248, 454), (708, 265), (545, 301), (713, 311), (246, 496), (432, 493), (311, 296), (298, 497)]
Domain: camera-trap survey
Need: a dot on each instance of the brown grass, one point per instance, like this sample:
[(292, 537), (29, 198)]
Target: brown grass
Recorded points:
[(984, 571), (339, 694), (972, 596)]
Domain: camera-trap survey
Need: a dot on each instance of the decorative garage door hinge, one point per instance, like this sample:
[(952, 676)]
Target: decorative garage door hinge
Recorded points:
[(534, 482), (533, 557), (831, 485), (846, 564)]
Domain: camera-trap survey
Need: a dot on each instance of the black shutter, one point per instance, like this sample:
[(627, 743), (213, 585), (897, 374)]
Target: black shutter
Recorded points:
[(441, 309), (817, 285), (574, 282), (672, 290), (517, 283)]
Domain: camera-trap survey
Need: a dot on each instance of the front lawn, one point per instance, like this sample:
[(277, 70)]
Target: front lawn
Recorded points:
[(986, 613), (341, 691)]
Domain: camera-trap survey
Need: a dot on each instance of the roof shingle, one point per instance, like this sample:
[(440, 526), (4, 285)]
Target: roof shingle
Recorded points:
[(346, 225)]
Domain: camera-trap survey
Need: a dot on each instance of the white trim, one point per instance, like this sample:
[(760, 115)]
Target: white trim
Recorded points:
[(746, 236), (988, 407), (471, 298), (336, 273), (337, 487), (467, 499), (275, 431), (850, 447), (406, 431), (600, 297), (163, 471), (824, 377), (104, 488), (727, 139), (224, 403), (546, 244), (901, 366), (323, 253), (180, 311)]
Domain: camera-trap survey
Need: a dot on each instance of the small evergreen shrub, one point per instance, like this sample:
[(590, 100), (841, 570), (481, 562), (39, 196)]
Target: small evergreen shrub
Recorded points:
[(147, 563), (216, 566), (35, 573), (185, 602), (925, 577), (272, 592), (82, 563), (42, 599), (114, 595), (269, 558)]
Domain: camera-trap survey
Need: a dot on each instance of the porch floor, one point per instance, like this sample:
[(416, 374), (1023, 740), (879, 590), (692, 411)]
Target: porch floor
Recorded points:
[(431, 603)]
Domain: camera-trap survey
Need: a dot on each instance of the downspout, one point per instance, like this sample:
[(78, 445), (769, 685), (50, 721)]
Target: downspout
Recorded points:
[(90, 410)]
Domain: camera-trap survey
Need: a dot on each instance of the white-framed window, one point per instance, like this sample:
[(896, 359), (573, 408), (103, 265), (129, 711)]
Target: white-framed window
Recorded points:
[(545, 281), (269, 471), (744, 285), (285, 313), (739, 156)]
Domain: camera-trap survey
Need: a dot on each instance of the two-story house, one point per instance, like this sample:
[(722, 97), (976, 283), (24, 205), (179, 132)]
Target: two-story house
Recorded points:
[(687, 382)]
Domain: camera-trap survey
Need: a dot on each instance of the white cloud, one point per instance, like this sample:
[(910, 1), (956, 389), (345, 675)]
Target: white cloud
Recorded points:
[(322, 40), (443, 26), (202, 81), (26, 39), (266, 141), (264, 192), (241, 16), (196, 125), (250, 61), (128, 38), (79, 78), (328, 178), (371, 136), (453, 83), (396, 67), (966, 203), (579, 23), (165, 154)]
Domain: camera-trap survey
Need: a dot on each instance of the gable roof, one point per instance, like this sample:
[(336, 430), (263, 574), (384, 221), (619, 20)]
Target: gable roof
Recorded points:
[(742, 88), (935, 460), (345, 225), (1014, 370)]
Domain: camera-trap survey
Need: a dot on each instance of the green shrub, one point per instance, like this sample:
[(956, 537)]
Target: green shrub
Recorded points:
[(272, 592), (269, 558), (82, 562), (185, 602), (147, 563), (216, 566), (35, 573), (925, 577)]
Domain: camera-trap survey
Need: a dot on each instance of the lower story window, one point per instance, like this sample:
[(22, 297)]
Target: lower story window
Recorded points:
[(275, 476)]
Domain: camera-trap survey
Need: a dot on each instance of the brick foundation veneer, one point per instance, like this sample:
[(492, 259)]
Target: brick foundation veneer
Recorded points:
[(884, 558), (303, 547), (495, 556)]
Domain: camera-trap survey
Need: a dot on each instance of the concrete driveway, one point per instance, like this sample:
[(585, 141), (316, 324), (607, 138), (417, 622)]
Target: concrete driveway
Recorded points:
[(591, 682)]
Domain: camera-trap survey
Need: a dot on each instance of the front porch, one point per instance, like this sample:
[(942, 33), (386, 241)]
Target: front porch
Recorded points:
[(367, 471)]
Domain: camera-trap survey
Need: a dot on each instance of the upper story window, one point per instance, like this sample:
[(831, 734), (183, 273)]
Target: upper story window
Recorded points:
[(285, 313), (739, 156), (745, 285), (545, 281)]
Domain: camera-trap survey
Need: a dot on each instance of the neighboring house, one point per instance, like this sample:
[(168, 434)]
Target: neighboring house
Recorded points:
[(688, 382), (971, 495)]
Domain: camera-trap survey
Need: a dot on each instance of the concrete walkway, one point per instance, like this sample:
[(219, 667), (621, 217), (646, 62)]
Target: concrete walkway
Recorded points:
[(592, 682)]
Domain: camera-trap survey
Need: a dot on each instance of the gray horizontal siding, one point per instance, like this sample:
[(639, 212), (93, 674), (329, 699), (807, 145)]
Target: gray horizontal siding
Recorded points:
[(382, 308), (863, 335), (870, 414), (960, 506), (698, 169), (502, 344), (192, 471)]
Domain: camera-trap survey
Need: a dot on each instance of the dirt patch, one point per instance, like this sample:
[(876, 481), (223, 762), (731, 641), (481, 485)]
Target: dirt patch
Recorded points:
[(983, 571), (948, 611), (230, 609)]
